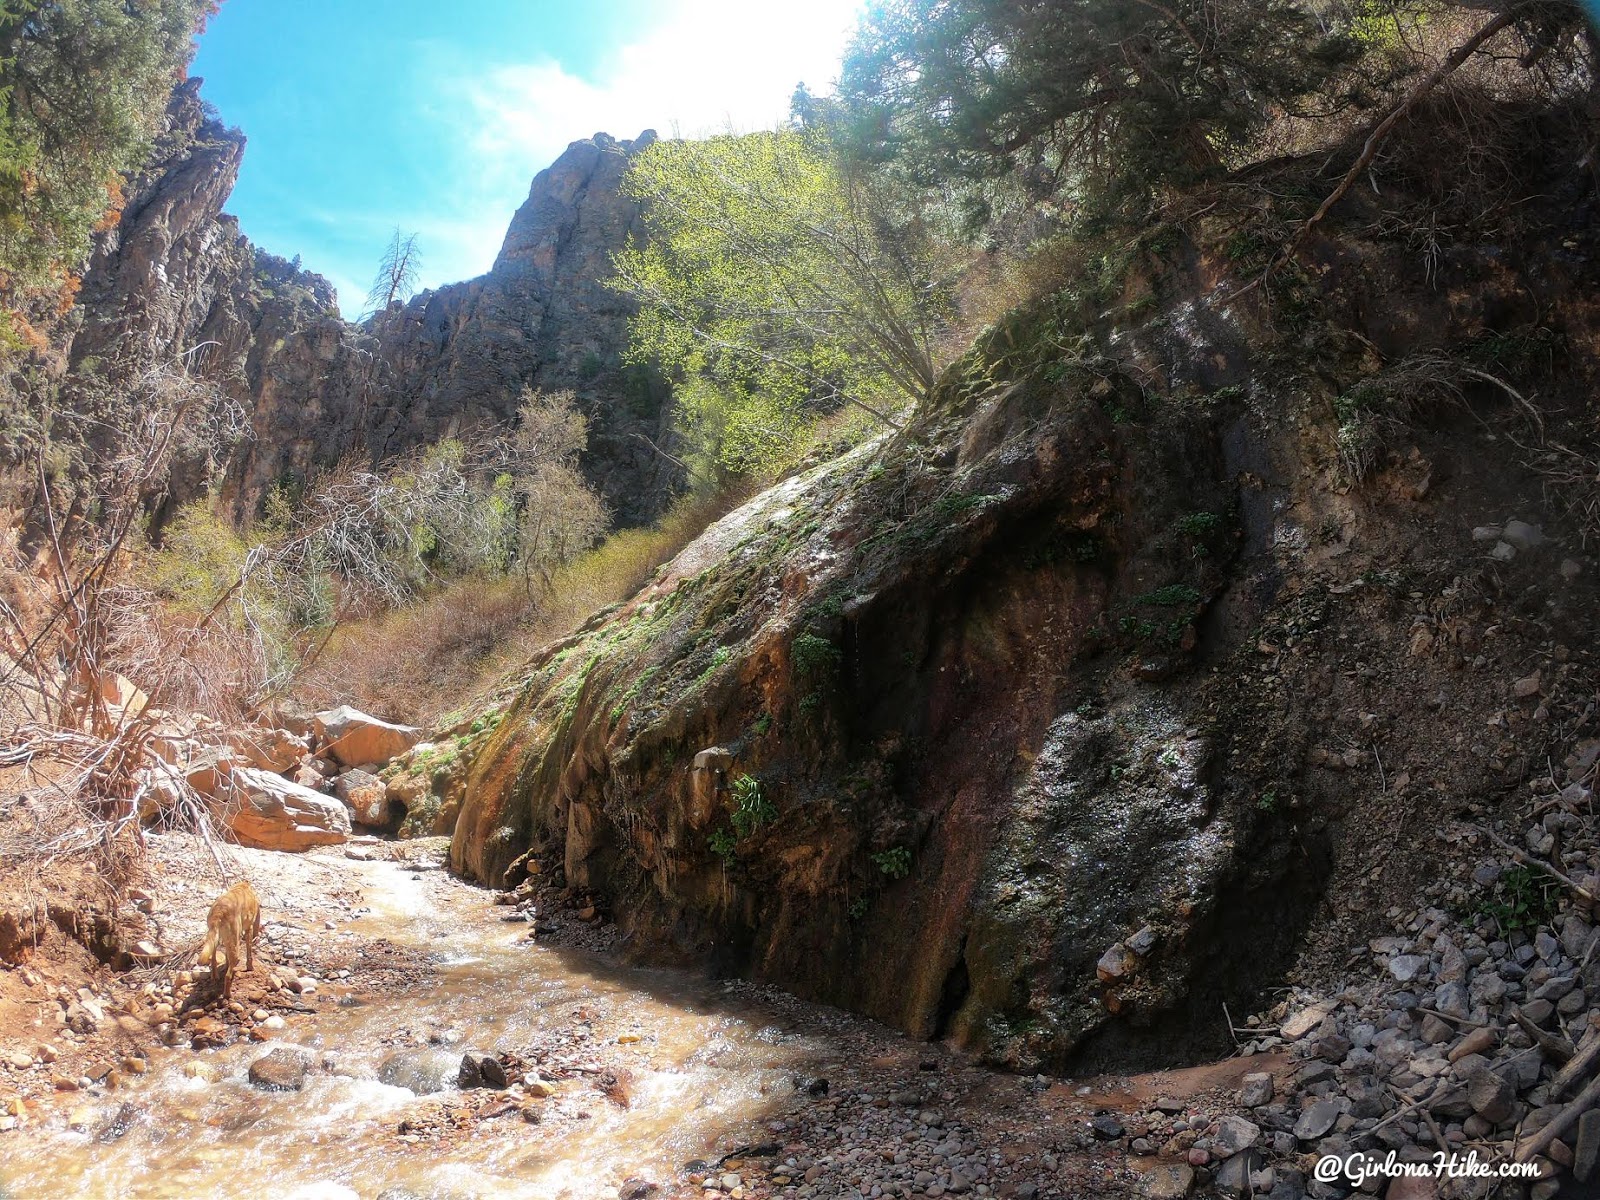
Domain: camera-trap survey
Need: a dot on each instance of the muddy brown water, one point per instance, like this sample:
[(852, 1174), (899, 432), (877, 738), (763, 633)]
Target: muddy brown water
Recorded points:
[(710, 1061)]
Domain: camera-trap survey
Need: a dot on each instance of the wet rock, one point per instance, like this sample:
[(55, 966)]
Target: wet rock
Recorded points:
[(636, 1188), (280, 1070), (422, 1071), (480, 1070), (117, 1124)]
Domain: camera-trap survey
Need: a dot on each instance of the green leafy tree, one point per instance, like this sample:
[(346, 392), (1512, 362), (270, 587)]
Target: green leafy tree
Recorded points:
[(83, 89), (778, 283), (1105, 98)]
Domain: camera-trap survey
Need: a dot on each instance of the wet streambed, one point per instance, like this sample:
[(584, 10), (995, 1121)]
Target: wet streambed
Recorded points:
[(688, 1065)]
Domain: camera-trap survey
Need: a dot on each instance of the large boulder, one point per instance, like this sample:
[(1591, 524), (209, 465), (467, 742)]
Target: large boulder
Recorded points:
[(354, 739), (270, 749), (270, 812), (364, 795)]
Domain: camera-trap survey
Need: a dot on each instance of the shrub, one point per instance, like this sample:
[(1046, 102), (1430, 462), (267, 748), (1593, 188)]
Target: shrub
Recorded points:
[(894, 862), (751, 809)]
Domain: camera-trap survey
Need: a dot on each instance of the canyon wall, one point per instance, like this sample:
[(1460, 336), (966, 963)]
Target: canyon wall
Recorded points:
[(175, 276)]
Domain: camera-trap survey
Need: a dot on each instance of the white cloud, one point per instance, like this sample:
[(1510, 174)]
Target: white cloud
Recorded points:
[(703, 66)]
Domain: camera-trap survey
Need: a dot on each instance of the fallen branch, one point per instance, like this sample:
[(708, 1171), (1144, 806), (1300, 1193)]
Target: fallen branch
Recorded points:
[(1580, 1064), (1381, 131), (1554, 1046), (1559, 1125)]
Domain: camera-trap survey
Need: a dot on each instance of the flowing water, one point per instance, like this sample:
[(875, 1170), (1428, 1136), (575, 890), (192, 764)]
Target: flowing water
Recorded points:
[(705, 1065)]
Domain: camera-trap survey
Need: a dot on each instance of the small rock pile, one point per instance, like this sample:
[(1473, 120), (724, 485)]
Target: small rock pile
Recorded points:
[(287, 788), (1473, 1029)]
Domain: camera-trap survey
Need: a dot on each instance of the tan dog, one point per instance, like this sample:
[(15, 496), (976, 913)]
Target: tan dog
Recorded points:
[(235, 919)]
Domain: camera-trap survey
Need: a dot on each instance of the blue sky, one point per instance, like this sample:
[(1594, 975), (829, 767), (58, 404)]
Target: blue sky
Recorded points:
[(433, 118)]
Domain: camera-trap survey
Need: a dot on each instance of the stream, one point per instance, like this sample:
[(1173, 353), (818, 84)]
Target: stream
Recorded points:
[(702, 1060)]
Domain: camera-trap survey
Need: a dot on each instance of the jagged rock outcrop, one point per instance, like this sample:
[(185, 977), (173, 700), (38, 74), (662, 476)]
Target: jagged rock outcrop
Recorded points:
[(1114, 682), (175, 276)]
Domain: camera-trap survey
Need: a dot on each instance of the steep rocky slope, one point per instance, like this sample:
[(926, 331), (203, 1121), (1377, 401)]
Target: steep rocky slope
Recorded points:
[(175, 275), (1139, 670)]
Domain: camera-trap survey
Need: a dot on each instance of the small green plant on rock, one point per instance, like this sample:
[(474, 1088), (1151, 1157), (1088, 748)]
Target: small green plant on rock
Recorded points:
[(751, 809), (816, 657), (1522, 898), (722, 844), (1267, 802), (895, 862)]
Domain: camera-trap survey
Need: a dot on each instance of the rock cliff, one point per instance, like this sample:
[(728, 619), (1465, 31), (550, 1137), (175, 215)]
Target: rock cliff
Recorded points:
[(175, 275), (1114, 685)]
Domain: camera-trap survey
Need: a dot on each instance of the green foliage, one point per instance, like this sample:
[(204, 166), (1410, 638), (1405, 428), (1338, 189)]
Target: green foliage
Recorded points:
[(894, 862), (1198, 525), (1522, 898), (762, 724), (777, 285), (1108, 101), (83, 88), (751, 809), (1174, 595), (816, 658), (722, 844), (1267, 802)]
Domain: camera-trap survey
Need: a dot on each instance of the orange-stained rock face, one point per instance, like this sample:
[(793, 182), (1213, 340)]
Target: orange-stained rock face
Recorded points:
[(1085, 704)]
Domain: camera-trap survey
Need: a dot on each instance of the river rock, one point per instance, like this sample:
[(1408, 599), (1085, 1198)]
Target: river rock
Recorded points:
[(421, 1071), (1170, 1181), (1235, 1134), (480, 1070), (1316, 1120), (280, 1070), (1586, 1152), (1233, 1176), (353, 738), (1257, 1089), (1491, 1097), (273, 813)]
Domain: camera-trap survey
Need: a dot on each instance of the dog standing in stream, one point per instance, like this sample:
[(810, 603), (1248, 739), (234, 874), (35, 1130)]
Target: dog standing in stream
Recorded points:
[(234, 923)]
